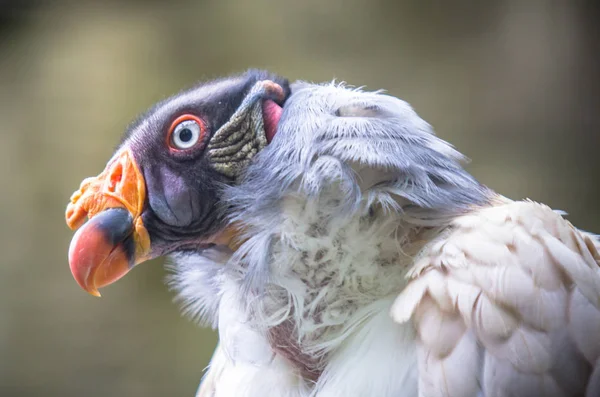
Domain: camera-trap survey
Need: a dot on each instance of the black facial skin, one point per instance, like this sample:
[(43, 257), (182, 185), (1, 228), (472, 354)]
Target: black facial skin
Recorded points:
[(183, 207)]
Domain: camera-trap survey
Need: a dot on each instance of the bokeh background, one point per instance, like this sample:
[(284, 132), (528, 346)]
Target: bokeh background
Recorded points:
[(513, 84)]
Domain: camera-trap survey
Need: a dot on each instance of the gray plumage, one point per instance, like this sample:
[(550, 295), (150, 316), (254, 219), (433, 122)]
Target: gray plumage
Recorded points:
[(373, 147)]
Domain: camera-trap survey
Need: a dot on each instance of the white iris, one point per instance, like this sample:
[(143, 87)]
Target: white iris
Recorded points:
[(186, 134)]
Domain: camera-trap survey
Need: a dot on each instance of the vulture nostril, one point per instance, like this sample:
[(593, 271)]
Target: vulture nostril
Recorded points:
[(115, 177)]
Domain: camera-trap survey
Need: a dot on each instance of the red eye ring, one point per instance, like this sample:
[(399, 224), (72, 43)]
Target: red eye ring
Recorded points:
[(194, 129)]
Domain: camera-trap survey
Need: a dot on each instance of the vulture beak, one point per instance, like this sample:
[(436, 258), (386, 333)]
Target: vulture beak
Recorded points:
[(114, 239)]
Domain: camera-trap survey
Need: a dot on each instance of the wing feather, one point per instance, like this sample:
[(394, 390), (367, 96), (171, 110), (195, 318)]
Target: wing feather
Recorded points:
[(507, 304)]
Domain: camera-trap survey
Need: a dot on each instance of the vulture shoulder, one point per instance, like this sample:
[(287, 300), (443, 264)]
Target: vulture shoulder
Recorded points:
[(506, 303)]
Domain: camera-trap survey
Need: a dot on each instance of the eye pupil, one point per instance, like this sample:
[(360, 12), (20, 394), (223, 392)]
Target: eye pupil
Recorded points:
[(185, 135)]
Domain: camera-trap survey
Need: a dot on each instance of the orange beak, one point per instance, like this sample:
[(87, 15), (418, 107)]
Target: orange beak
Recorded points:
[(114, 239)]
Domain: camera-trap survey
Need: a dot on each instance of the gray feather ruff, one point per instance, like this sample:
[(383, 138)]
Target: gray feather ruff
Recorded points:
[(371, 148)]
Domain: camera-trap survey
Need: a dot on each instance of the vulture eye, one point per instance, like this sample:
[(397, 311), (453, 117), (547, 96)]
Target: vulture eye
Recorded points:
[(185, 132)]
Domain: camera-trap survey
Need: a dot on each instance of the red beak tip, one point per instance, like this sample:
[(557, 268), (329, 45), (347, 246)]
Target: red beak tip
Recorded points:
[(97, 256)]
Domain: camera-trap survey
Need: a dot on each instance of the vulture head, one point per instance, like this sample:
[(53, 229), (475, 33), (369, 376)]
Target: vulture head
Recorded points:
[(162, 190)]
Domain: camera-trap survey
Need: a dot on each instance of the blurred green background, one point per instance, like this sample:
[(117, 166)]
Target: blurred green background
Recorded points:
[(513, 84)]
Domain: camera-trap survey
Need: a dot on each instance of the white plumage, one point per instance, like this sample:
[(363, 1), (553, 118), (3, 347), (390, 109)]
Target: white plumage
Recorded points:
[(373, 265)]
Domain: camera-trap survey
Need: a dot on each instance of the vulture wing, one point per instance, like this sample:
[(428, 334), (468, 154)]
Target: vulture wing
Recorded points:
[(507, 303)]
